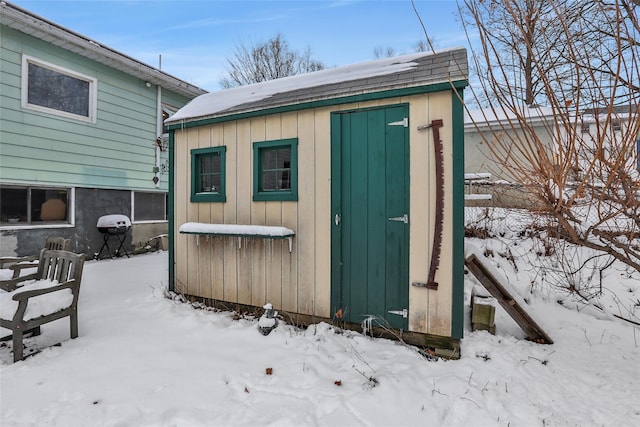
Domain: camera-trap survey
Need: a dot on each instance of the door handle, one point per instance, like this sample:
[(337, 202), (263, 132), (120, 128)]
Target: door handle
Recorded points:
[(404, 218), (337, 219)]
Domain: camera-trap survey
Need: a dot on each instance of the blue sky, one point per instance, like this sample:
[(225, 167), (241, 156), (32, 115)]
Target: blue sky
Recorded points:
[(195, 37)]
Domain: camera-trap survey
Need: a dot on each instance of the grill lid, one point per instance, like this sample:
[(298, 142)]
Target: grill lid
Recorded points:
[(114, 221)]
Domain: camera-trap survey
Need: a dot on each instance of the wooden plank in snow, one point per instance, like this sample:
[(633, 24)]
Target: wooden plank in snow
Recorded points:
[(507, 301)]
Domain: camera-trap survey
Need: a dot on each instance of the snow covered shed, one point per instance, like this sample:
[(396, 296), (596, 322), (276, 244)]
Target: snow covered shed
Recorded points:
[(336, 195)]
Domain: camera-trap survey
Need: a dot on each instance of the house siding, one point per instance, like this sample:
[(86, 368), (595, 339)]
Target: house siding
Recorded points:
[(118, 151), (103, 161), (489, 133)]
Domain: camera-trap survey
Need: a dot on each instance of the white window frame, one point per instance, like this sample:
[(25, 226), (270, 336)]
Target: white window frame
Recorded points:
[(71, 209), (147, 221), (616, 125), (93, 90)]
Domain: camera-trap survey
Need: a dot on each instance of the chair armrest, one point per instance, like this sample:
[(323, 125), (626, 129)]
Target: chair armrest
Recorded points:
[(13, 284), (14, 260), (9, 260), (8, 285), (32, 276), (23, 298), (16, 282), (71, 284), (22, 265)]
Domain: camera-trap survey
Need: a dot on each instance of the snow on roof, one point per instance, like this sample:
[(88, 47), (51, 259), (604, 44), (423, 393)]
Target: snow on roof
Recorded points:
[(384, 74), (497, 114)]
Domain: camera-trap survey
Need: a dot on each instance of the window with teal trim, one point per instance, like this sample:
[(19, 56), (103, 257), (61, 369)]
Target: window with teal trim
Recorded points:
[(275, 175), (208, 174)]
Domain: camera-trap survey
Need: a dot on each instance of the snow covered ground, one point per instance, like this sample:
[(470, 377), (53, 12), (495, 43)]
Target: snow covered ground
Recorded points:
[(144, 360)]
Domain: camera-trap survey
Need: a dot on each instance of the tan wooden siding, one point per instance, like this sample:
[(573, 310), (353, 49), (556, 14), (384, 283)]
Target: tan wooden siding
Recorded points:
[(256, 271), (430, 310)]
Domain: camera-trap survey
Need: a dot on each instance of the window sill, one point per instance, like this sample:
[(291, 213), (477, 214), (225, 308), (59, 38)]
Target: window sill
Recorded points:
[(7, 227), (208, 198), (276, 196)]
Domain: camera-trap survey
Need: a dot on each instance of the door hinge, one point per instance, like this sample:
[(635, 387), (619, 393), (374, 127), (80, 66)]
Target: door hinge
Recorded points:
[(427, 285), (404, 313), (404, 123), (404, 218)]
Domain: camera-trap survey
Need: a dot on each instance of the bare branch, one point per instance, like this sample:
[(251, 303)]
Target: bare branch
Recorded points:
[(268, 60), (580, 60)]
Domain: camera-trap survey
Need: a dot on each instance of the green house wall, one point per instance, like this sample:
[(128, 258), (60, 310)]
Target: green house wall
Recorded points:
[(117, 151)]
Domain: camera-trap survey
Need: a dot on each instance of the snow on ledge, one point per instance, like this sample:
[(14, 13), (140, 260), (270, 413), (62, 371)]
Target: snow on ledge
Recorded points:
[(237, 230), (477, 196)]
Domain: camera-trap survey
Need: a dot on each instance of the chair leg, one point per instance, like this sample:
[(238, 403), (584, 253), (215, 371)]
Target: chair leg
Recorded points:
[(17, 345), (74, 324)]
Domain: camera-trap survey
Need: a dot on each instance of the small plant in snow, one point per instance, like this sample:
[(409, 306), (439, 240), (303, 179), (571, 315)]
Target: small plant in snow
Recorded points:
[(371, 381)]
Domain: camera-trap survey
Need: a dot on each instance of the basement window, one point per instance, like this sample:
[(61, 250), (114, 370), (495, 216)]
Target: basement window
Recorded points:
[(52, 89), (208, 174), (148, 206), (275, 174), (30, 206)]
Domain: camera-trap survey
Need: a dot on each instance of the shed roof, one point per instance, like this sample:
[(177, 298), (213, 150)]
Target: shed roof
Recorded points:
[(486, 118), (50, 32), (388, 74)]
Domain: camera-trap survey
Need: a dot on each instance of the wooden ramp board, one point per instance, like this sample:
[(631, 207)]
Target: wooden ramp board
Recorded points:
[(489, 280)]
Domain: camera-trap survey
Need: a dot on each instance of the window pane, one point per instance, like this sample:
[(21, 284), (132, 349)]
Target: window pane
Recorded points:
[(210, 183), (284, 182), (48, 205), (284, 158), (51, 89), (210, 173), (269, 180), (13, 205), (276, 169), (210, 163), (205, 165), (149, 206), (270, 159)]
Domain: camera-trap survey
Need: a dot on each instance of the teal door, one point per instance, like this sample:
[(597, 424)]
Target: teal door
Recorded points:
[(370, 215)]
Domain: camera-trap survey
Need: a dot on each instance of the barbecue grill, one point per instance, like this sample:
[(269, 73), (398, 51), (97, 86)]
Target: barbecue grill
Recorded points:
[(114, 226)]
